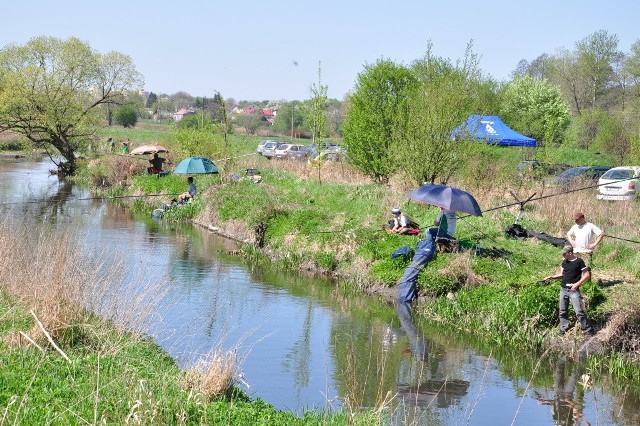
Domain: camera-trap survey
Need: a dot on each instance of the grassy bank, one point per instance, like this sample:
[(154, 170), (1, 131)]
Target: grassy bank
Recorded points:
[(329, 221), (63, 364)]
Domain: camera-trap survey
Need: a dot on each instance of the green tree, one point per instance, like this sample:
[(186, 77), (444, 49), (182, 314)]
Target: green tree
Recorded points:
[(595, 55), (126, 115), (631, 72), (51, 91), (585, 127), (444, 96), (251, 122), (193, 121), (152, 100), (195, 141), (182, 100), (370, 128), (538, 68), (335, 117), (614, 136), (536, 108), (289, 119), (314, 110), (566, 75)]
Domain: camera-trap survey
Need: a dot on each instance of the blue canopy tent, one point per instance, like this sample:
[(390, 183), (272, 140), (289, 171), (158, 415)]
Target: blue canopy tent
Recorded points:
[(491, 129)]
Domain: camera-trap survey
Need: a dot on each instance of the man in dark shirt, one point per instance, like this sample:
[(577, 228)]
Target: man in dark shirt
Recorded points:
[(574, 272), (156, 164)]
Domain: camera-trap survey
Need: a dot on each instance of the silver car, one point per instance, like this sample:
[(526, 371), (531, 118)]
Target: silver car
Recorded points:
[(619, 183), (290, 151), (261, 145), (269, 150)]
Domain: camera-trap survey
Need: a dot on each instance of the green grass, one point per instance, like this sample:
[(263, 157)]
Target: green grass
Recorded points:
[(117, 378)]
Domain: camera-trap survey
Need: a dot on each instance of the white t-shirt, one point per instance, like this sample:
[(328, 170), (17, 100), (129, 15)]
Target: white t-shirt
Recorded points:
[(584, 234)]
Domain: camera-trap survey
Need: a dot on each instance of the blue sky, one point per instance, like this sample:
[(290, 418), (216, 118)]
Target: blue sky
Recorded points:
[(250, 50)]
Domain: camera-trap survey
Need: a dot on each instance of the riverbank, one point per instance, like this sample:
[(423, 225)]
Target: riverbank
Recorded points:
[(64, 364), (332, 226), (328, 221)]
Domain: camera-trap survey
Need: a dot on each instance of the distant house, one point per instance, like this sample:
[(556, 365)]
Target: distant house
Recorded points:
[(178, 115), (268, 115)]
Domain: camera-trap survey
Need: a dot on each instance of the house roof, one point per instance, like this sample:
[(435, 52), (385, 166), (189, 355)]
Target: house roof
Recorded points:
[(184, 111)]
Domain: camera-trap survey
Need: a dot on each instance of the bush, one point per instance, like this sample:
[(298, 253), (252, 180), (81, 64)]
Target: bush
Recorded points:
[(126, 115)]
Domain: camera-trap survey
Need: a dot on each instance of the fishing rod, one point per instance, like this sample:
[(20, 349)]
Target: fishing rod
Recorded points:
[(555, 194)]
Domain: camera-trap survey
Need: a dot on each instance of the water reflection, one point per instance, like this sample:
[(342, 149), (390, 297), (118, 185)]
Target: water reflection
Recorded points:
[(431, 384), (567, 402)]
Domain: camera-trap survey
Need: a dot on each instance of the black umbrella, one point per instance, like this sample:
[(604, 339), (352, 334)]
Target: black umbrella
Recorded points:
[(447, 197)]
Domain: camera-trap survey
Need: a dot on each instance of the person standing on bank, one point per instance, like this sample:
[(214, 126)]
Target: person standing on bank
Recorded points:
[(574, 272), (584, 237)]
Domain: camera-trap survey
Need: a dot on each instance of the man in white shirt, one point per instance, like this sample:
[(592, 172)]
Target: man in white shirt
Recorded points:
[(400, 223), (584, 237)]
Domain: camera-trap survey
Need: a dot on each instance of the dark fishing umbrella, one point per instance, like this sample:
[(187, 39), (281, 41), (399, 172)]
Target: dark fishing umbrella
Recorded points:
[(447, 197), (195, 165)]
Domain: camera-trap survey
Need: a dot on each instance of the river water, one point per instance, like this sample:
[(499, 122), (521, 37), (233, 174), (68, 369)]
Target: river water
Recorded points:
[(303, 343)]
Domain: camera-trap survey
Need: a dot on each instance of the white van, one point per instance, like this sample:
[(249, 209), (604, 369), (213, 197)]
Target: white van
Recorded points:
[(619, 183)]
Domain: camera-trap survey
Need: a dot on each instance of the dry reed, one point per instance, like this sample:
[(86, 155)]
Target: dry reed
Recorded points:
[(212, 375), (52, 273)]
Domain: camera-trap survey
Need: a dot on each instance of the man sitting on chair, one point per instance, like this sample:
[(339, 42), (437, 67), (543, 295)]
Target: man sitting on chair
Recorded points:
[(156, 164), (445, 226)]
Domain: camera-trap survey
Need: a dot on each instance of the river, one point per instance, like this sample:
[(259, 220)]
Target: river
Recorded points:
[(302, 342)]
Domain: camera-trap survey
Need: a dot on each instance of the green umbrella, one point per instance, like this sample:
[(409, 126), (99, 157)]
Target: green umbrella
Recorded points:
[(195, 165)]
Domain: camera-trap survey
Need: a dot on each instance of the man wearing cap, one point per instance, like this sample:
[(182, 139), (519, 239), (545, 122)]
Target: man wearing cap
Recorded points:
[(574, 272), (400, 223), (584, 237)]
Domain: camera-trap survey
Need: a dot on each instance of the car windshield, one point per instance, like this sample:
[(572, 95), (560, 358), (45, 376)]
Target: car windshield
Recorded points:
[(618, 174), (283, 147)]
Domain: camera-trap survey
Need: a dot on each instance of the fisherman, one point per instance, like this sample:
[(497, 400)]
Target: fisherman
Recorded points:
[(401, 223), (584, 237), (574, 272), (190, 193), (156, 164), (445, 225)]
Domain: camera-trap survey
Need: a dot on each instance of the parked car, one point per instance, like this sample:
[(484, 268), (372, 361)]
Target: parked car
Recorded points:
[(331, 151), (537, 169), (260, 148), (261, 145), (579, 174), (619, 183), (270, 147), (334, 153), (290, 151)]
